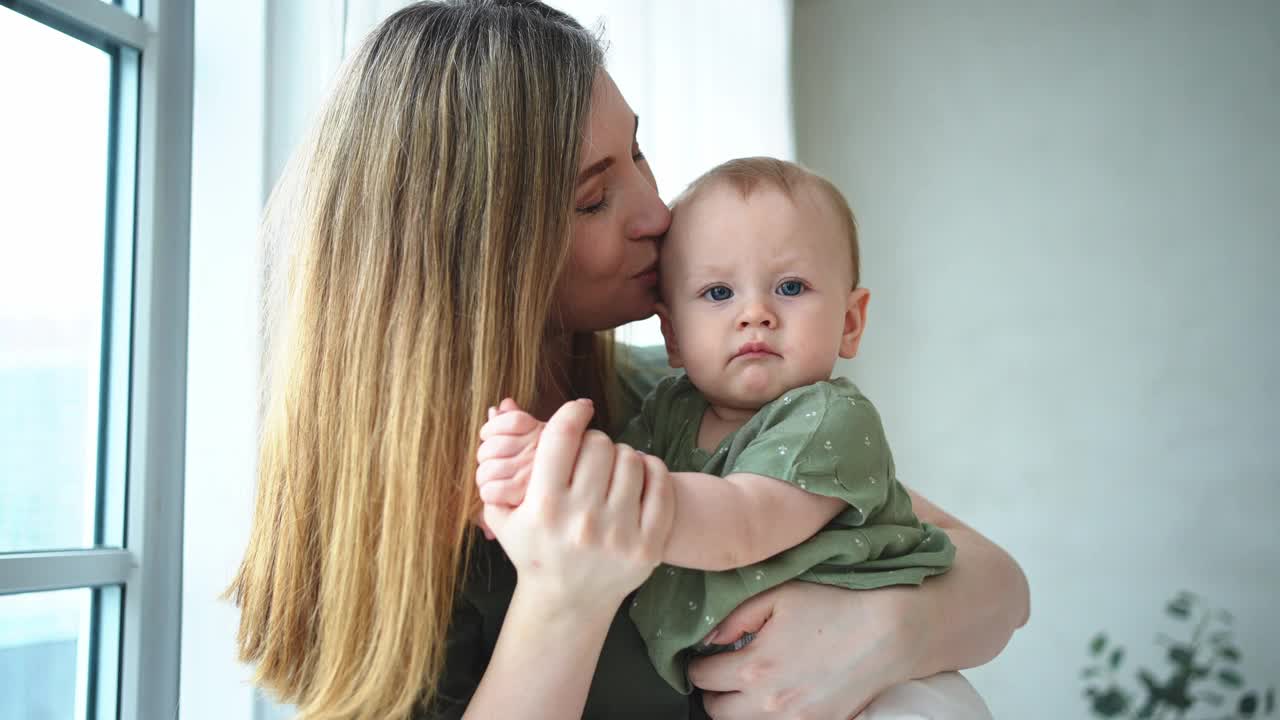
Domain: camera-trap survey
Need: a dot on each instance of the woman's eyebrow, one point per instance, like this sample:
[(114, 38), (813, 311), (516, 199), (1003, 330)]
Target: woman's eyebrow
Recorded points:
[(605, 163), (596, 168)]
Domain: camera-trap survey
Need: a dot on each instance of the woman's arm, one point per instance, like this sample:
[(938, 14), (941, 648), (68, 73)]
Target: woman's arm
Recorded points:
[(826, 652), (974, 608), (590, 529), (544, 660)]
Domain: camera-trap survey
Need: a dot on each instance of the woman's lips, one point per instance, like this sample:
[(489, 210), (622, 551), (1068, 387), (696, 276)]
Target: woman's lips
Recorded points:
[(649, 275)]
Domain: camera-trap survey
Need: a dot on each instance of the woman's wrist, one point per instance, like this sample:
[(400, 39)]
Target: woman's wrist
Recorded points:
[(545, 604), (544, 660)]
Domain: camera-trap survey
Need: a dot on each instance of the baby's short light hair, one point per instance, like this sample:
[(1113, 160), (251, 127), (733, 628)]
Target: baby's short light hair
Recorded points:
[(748, 174)]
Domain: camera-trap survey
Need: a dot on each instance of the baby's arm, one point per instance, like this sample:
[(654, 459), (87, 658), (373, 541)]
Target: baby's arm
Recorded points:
[(740, 519), (720, 523)]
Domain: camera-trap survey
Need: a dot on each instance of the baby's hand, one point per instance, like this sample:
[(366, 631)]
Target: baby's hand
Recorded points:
[(508, 442)]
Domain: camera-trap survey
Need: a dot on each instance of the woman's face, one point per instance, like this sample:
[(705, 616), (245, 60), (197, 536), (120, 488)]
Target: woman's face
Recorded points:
[(618, 219)]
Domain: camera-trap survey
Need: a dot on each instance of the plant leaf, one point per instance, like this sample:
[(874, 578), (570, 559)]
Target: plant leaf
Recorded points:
[(1178, 610), (1116, 656), (1229, 653), (1231, 679), (1090, 672), (1181, 655), (1248, 705), (1213, 698), (1099, 642), (1271, 700)]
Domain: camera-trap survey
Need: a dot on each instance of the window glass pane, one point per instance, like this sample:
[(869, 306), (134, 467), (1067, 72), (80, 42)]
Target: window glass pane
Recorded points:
[(44, 653), (54, 139)]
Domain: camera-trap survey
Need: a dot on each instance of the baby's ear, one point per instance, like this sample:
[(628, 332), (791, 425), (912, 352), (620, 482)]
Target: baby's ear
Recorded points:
[(669, 335), (855, 321)]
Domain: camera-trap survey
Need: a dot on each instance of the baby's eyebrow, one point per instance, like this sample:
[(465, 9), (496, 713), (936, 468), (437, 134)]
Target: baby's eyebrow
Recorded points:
[(709, 270)]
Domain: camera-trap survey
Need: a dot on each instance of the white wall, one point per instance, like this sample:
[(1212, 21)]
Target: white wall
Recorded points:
[(1071, 222)]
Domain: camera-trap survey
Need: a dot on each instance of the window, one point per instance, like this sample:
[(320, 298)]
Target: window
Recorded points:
[(94, 186)]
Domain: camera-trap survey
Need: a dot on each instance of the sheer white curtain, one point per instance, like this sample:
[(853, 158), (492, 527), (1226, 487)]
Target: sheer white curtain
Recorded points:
[(711, 80)]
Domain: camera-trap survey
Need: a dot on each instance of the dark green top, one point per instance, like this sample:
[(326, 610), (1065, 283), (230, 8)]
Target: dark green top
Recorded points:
[(625, 685)]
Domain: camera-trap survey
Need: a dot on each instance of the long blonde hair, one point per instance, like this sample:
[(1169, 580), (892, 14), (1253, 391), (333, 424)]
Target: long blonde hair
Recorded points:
[(419, 236)]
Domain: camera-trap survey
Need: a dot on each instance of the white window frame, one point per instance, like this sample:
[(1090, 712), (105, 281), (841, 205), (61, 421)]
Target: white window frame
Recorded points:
[(153, 203)]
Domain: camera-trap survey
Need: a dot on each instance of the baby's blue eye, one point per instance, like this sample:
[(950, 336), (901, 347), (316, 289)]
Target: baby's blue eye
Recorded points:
[(718, 293), (791, 288)]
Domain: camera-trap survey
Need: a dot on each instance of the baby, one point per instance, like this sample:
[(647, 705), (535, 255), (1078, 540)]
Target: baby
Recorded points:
[(780, 472)]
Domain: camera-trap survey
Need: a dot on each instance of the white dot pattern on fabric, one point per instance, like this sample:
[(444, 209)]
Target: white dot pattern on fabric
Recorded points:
[(659, 632), (786, 400), (708, 620), (866, 440), (671, 571), (782, 449), (811, 413), (803, 484), (827, 444), (693, 605), (759, 575), (872, 479)]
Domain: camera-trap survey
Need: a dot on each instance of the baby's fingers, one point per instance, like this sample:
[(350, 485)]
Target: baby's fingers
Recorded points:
[(504, 492), (499, 470), (516, 422), (497, 447)]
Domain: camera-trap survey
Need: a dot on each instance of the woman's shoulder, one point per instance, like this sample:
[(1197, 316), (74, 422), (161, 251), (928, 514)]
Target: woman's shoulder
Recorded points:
[(642, 366), (639, 370)]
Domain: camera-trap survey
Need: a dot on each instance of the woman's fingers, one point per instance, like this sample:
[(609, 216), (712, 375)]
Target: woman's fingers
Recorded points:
[(597, 463), (745, 619), (627, 472), (626, 489), (558, 448), (657, 505)]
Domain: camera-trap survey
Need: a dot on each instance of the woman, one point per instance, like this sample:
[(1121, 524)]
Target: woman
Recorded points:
[(470, 218)]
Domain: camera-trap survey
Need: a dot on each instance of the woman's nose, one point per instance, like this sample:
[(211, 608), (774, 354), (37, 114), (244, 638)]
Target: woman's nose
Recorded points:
[(651, 217)]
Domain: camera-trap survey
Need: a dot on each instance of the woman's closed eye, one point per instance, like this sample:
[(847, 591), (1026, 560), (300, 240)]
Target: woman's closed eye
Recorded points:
[(593, 206)]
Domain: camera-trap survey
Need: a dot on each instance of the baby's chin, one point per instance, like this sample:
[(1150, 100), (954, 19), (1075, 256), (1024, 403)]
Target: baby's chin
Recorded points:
[(747, 393)]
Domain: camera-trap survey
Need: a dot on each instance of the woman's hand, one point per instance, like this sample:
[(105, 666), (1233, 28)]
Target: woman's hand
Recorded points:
[(594, 519), (825, 652), (819, 652)]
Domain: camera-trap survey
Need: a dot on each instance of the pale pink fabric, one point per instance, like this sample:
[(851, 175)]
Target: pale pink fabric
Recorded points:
[(946, 696)]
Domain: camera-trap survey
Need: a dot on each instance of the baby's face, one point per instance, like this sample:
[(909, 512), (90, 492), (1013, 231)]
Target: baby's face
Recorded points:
[(757, 292)]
